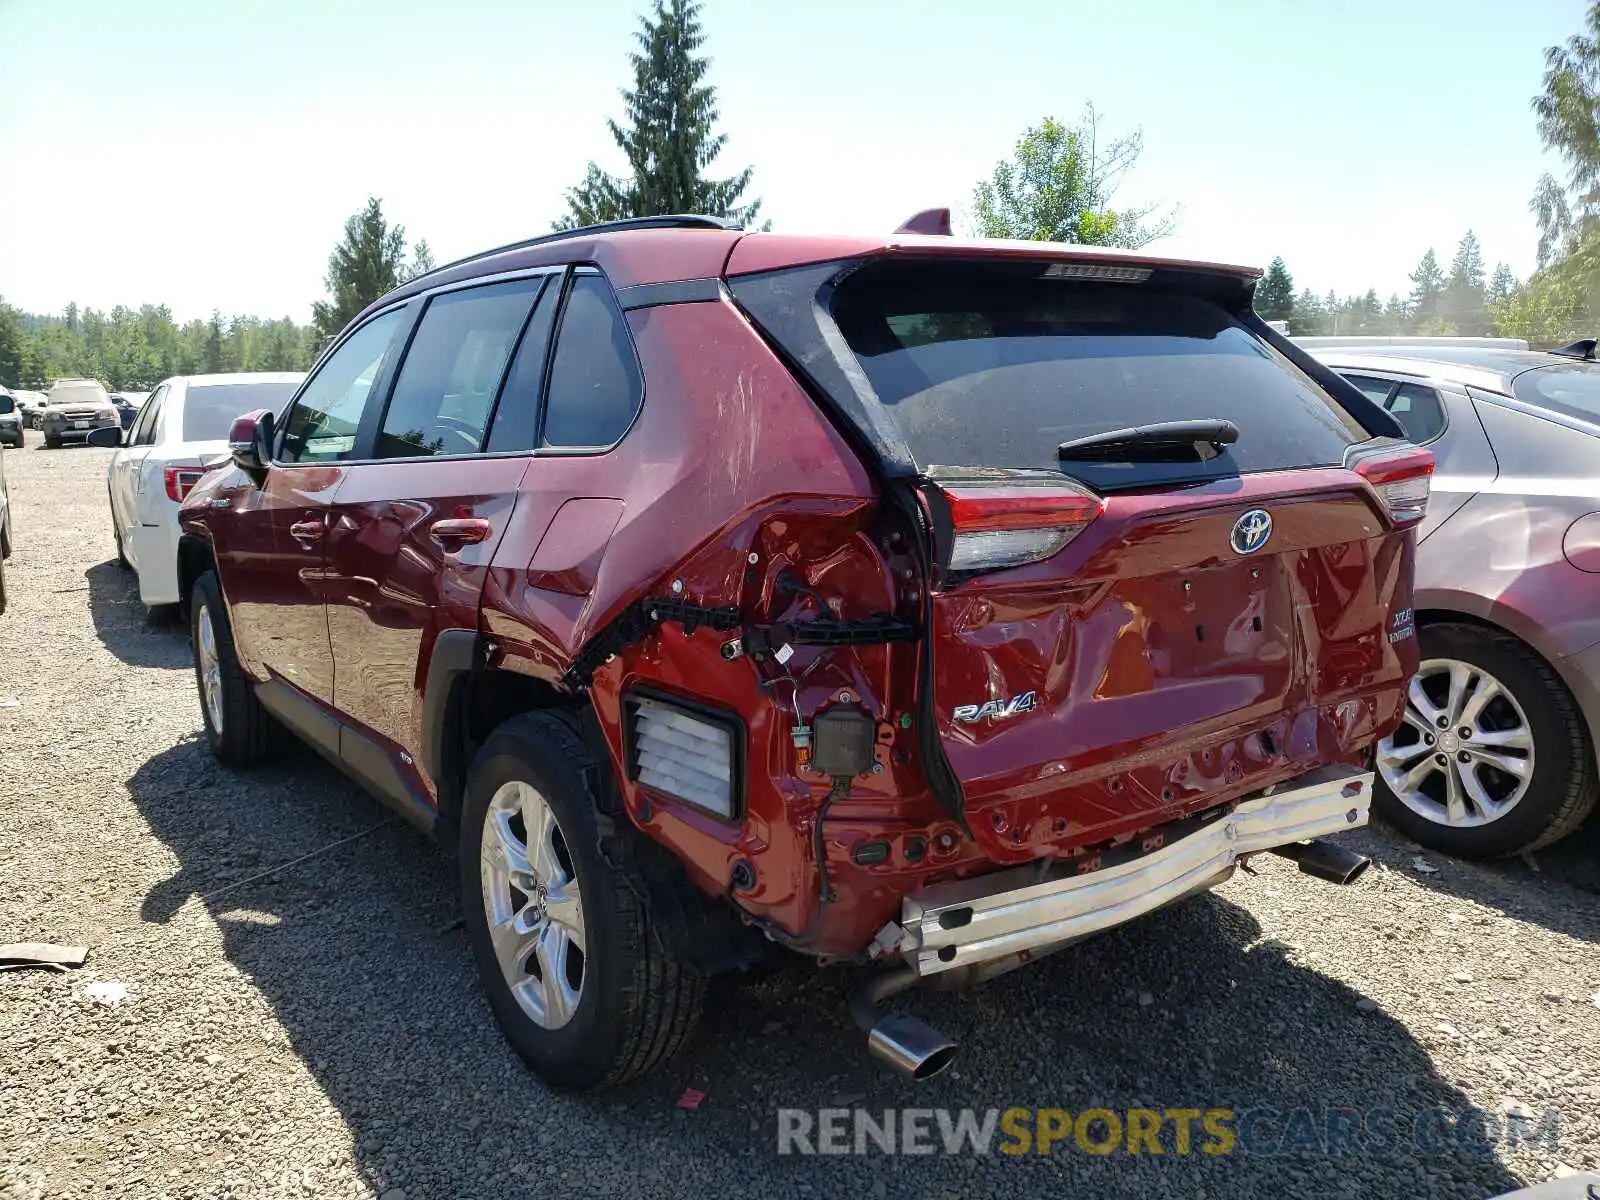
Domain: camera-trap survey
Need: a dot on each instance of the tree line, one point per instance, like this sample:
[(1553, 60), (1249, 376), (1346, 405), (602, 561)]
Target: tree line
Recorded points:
[(1060, 183)]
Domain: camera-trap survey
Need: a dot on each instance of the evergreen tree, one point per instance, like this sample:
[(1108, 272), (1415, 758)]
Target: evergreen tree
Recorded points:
[(667, 133), (1427, 289), (1464, 304), (362, 267), (1501, 285), (213, 360), (421, 261), (1275, 292), (1308, 318)]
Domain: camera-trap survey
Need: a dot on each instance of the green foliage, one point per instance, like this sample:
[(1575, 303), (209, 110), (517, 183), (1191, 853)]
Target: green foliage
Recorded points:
[(1275, 292), (134, 349), (368, 263), (667, 133), (1058, 187), (1427, 289), (1465, 303)]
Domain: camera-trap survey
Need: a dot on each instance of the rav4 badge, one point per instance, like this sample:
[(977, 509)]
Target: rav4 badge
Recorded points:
[(969, 713), (1251, 531)]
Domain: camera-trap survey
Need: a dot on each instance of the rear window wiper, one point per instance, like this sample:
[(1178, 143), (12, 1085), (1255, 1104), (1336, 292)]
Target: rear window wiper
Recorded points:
[(1162, 441)]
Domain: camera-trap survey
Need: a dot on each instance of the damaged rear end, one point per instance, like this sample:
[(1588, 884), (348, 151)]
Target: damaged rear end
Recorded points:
[(1130, 600)]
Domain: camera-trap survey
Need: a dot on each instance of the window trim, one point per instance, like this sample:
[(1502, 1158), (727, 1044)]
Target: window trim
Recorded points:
[(370, 448), (385, 379), (1397, 379)]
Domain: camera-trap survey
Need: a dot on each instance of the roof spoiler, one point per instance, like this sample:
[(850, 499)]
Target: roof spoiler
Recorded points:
[(934, 221), (1582, 348)]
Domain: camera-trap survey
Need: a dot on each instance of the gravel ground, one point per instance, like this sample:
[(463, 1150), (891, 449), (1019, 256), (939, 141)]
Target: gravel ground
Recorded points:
[(318, 1031)]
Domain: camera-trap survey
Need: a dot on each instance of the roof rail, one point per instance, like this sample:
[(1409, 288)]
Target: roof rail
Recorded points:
[(669, 221)]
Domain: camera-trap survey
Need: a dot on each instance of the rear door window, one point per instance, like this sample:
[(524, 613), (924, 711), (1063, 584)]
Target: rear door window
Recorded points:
[(1374, 389), (994, 368), (209, 409), (447, 384), (1419, 412)]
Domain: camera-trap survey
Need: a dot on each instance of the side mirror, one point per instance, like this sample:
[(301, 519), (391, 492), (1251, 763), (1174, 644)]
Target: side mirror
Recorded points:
[(250, 443), (107, 437)]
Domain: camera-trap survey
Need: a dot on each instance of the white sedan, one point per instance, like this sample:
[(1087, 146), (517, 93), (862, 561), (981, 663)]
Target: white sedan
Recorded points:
[(180, 428)]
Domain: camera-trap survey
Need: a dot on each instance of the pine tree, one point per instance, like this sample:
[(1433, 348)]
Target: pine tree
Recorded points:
[(1501, 284), (1275, 292), (1427, 289), (1464, 303), (364, 266), (667, 139), (212, 362)]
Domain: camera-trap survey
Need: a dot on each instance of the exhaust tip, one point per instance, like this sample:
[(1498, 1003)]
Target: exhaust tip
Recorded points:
[(1324, 860), (911, 1048)]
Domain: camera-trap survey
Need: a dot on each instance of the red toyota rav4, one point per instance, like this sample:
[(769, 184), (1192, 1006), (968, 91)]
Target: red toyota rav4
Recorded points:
[(911, 602)]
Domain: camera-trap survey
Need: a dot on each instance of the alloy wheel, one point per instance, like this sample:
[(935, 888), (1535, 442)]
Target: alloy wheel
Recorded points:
[(1463, 755), (531, 898), (210, 667)]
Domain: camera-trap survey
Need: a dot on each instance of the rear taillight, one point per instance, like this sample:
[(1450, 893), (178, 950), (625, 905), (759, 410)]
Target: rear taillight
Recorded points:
[(1401, 475), (180, 479), (995, 526)]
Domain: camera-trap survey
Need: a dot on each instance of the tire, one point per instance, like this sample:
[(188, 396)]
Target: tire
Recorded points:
[(636, 1001), (247, 733), (1536, 722), (116, 536)]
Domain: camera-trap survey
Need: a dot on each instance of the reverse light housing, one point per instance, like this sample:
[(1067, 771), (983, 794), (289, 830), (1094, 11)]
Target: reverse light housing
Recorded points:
[(1401, 475), (180, 479), (685, 751), (993, 526)]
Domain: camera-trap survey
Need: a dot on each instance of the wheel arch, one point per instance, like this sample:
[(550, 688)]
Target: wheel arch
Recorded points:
[(464, 700), (195, 558)]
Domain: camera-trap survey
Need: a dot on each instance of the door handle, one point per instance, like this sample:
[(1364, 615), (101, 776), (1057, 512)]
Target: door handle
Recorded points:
[(306, 531), (454, 532)]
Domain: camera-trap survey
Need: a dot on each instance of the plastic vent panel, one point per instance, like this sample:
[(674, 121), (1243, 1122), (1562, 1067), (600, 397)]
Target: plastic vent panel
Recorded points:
[(685, 752)]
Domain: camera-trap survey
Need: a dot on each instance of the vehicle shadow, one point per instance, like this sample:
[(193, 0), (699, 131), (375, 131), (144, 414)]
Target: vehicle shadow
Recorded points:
[(1557, 888), (358, 953), (138, 636)]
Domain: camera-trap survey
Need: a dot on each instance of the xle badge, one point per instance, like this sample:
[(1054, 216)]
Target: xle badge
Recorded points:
[(966, 714)]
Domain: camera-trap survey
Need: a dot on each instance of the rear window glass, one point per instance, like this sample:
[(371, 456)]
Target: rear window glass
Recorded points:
[(1572, 389), (996, 369), (209, 409)]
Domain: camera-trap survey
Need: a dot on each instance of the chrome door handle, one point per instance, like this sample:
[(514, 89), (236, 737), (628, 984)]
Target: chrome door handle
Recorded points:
[(454, 532), (306, 531)]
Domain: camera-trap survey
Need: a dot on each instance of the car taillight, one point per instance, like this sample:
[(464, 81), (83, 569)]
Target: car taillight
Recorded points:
[(995, 526), (1402, 477), (180, 479)]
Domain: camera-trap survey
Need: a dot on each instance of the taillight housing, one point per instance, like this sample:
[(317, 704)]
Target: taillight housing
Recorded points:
[(180, 479), (1401, 475), (983, 526)]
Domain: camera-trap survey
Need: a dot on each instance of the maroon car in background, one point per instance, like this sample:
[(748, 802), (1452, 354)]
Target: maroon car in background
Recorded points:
[(911, 602)]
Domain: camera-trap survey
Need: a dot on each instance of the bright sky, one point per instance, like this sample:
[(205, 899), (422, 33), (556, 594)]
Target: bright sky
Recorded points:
[(205, 153)]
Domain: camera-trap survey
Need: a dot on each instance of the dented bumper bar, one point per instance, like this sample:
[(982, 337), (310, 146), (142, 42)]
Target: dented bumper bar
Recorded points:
[(1013, 913)]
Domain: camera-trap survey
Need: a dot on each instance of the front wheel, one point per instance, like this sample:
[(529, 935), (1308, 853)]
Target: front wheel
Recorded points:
[(238, 729), (1493, 757), (575, 967)]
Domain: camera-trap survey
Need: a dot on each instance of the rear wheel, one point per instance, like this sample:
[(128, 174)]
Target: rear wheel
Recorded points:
[(116, 535), (1493, 757), (238, 729), (577, 971)]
